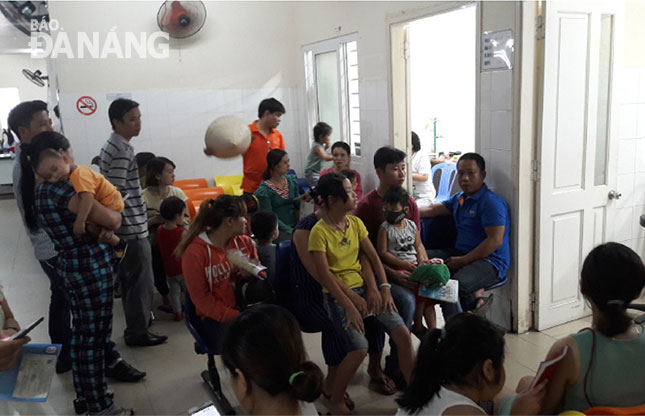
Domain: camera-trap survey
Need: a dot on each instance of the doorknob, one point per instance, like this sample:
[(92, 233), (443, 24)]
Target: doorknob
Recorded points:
[(614, 195)]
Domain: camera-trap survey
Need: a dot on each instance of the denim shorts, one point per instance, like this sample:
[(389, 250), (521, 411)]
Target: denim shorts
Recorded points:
[(389, 320)]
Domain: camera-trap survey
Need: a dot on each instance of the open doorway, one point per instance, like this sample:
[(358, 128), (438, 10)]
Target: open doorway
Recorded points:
[(434, 88), (442, 59)]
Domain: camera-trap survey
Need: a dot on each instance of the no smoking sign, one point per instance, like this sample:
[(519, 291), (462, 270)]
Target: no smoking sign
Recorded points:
[(86, 105)]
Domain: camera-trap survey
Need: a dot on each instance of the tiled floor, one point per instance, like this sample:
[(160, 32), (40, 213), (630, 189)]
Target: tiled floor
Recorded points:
[(173, 384)]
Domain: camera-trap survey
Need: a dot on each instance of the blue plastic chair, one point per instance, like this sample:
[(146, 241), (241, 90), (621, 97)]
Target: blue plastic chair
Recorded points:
[(303, 185), (448, 172), (210, 376), (282, 272)]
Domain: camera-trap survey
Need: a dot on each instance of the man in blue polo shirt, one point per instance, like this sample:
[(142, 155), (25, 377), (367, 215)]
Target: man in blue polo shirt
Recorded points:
[(481, 254)]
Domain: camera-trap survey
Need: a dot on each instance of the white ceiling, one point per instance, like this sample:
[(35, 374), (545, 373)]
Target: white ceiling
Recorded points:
[(11, 39)]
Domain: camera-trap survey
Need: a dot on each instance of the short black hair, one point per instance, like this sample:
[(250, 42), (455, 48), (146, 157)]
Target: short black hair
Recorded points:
[(321, 130), (271, 105), (143, 158), (416, 143), (397, 195), (155, 167), (386, 155), (263, 224), (476, 157), (22, 114), (171, 207), (119, 108), (349, 174)]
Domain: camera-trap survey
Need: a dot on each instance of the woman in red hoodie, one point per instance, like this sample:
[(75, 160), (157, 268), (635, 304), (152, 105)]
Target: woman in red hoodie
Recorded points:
[(210, 276)]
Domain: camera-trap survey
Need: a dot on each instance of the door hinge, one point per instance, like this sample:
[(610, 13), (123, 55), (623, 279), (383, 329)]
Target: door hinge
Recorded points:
[(539, 27), (533, 302), (535, 170), (406, 50)]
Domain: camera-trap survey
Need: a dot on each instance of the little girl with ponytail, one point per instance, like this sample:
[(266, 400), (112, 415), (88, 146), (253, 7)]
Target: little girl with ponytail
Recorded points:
[(270, 371), (459, 367)]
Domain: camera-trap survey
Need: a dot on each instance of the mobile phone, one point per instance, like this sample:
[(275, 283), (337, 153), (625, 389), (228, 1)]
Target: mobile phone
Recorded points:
[(205, 409), (23, 332)]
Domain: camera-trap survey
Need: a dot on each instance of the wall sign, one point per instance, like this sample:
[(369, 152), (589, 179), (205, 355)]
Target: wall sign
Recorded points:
[(497, 50), (86, 105)]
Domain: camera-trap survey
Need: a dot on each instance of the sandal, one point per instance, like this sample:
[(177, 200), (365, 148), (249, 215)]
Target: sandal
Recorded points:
[(348, 400), (482, 309), (384, 386)]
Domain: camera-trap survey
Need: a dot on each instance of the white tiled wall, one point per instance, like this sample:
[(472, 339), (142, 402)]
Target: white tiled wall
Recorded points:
[(174, 123), (631, 161), (496, 146)]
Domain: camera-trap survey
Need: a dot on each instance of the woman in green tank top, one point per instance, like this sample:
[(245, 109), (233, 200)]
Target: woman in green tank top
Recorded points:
[(605, 364)]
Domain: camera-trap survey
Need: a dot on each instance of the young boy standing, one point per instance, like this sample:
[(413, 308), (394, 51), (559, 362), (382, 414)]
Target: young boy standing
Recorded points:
[(264, 226), (173, 211)]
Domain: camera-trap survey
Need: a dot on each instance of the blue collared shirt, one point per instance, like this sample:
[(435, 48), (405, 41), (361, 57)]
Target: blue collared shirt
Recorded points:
[(475, 213)]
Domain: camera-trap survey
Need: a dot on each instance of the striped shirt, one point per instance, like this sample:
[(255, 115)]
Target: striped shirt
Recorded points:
[(119, 166)]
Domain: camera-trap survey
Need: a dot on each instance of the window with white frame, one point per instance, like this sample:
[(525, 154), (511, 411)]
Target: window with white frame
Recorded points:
[(331, 78)]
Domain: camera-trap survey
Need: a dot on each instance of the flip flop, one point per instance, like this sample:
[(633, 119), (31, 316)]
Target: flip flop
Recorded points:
[(382, 386), (482, 309), (348, 400)]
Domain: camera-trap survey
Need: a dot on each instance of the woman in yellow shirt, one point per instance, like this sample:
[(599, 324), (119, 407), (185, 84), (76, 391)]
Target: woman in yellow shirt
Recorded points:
[(335, 243)]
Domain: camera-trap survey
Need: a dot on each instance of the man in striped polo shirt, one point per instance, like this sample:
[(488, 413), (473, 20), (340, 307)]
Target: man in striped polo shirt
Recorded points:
[(119, 166)]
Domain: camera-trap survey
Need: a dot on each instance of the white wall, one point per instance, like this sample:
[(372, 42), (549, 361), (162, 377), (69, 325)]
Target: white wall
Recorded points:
[(315, 21), (11, 67), (243, 54), (631, 133)]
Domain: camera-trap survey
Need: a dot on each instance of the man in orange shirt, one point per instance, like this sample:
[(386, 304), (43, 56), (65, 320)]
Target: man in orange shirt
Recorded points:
[(264, 137)]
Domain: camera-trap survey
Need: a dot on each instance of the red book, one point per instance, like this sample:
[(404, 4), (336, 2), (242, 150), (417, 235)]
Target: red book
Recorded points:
[(548, 368)]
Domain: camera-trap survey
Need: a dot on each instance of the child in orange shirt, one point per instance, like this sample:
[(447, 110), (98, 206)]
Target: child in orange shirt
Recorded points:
[(57, 165)]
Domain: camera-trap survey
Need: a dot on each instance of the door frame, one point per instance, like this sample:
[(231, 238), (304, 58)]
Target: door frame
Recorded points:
[(398, 92)]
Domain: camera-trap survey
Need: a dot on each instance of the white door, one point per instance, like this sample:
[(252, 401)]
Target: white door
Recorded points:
[(577, 150)]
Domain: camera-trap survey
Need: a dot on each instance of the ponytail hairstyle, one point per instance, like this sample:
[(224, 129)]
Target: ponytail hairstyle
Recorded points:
[(612, 276), (211, 214), (274, 157), (42, 145), (453, 355), (265, 344), (330, 184)]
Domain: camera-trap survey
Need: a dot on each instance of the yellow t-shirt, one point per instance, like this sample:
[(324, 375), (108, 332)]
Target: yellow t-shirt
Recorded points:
[(85, 179), (341, 249)]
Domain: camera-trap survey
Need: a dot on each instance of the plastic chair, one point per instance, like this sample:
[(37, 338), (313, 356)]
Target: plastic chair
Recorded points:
[(230, 183), (303, 185), (204, 193), (193, 207), (211, 375), (447, 180), (282, 271), (186, 184), (633, 410)]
